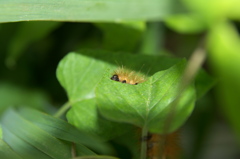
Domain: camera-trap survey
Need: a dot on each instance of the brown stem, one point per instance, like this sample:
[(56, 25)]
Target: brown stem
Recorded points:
[(73, 150)]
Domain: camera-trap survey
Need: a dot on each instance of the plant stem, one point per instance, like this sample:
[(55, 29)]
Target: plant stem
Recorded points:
[(62, 110), (144, 143), (73, 150)]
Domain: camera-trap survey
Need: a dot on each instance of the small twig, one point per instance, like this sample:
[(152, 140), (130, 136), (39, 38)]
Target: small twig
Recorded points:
[(73, 150), (144, 143), (62, 110), (194, 64)]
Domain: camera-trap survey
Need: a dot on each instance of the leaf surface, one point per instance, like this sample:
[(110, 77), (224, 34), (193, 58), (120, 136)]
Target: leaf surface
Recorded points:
[(148, 103)]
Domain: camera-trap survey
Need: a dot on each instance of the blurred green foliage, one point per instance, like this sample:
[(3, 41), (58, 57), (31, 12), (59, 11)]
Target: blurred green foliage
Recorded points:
[(145, 35)]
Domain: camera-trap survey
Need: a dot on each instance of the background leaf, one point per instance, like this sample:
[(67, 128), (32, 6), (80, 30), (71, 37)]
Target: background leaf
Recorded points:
[(57, 128), (14, 95), (74, 10), (200, 15), (186, 23), (29, 144), (224, 55), (6, 152), (29, 134), (126, 35), (38, 140), (22, 147), (207, 9)]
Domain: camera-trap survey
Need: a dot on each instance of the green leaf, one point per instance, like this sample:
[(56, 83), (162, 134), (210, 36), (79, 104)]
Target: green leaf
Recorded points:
[(223, 44), (149, 103), (125, 35), (79, 74), (6, 152), (202, 14), (62, 130), (30, 141), (84, 10)]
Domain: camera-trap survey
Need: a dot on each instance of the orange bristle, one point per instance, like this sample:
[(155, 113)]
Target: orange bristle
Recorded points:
[(127, 76)]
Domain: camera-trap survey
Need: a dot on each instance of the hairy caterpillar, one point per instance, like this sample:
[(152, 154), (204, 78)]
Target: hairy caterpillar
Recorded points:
[(158, 146), (127, 76)]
